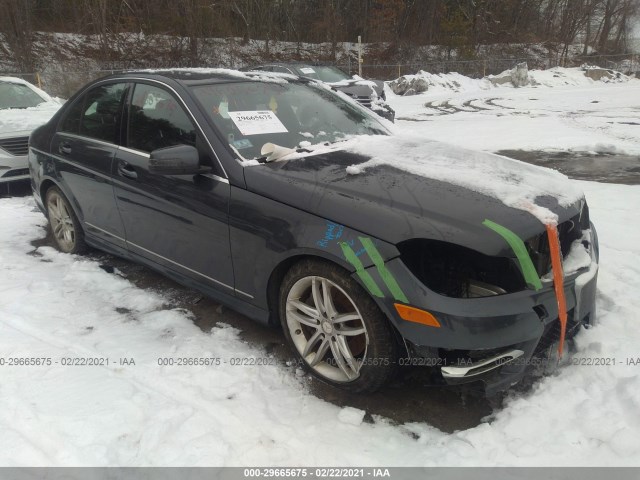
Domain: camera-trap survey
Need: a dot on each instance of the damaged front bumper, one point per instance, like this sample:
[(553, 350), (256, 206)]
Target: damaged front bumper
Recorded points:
[(491, 341)]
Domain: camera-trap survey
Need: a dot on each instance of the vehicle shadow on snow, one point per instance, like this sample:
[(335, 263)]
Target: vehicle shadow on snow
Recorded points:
[(412, 397), (15, 189)]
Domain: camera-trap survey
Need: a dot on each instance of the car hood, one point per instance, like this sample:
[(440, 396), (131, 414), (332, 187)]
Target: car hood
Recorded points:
[(394, 205), (359, 86), (21, 121)]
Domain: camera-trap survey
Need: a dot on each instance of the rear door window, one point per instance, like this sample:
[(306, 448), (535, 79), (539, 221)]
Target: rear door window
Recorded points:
[(101, 113)]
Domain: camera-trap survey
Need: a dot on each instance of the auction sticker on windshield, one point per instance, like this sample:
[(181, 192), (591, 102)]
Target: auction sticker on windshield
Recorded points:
[(257, 122), (307, 70)]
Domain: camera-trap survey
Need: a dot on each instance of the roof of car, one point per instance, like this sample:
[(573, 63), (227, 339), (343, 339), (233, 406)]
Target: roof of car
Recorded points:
[(206, 75)]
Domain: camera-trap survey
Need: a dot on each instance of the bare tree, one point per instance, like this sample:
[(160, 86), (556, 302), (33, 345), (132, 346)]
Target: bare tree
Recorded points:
[(15, 24)]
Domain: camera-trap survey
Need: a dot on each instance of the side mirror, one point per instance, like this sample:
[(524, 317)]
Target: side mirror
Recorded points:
[(178, 160)]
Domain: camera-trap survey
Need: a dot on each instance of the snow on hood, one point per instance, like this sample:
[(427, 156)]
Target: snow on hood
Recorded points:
[(516, 184), (26, 119), (355, 80)]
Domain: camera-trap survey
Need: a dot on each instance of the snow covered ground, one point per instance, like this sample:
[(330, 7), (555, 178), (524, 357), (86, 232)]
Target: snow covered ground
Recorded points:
[(58, 307), (565, 112)]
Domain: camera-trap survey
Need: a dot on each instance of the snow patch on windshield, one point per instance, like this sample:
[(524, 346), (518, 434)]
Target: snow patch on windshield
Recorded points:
[(516, 184)]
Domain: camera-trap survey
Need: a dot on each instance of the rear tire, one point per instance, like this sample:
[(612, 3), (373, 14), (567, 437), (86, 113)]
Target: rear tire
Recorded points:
[(336, 330), (65, 227)]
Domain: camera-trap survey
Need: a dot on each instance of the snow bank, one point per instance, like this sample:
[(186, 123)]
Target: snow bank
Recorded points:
[(436, 83), (454, 82), (564, 112), (515, 183), (558, 77)]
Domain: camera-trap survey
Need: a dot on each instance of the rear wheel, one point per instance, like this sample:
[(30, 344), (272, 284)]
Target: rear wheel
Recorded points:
[(67, 233), (335, 327)]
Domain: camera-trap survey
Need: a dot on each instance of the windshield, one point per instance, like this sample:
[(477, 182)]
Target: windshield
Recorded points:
[(15, 95), (252, 114), (323, 73)]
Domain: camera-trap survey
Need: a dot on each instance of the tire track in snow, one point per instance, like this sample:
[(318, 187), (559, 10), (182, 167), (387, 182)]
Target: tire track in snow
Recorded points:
[(574, 119)]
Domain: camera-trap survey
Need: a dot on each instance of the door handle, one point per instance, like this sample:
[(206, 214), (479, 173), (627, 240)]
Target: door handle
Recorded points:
[(126, 170), (65, 148)]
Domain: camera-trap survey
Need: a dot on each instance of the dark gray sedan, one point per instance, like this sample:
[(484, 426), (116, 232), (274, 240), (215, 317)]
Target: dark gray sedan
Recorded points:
[(241, 185)]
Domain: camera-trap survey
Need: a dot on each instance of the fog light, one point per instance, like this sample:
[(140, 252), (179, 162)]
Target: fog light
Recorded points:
[(412, 314)]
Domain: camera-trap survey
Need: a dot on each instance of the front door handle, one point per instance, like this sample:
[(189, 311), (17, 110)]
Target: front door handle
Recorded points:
[(126, 170), (64, 147)]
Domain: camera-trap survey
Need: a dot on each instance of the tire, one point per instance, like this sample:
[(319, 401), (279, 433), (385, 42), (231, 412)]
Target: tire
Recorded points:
[(65, 227), (362, 360)]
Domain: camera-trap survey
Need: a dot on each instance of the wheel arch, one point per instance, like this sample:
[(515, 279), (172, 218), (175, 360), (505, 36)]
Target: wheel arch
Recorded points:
[(278, 273), (46, 184), (281, 269), (43, 188)]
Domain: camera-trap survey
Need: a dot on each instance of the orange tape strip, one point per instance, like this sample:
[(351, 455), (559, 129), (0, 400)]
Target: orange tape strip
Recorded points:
[(558, 281)]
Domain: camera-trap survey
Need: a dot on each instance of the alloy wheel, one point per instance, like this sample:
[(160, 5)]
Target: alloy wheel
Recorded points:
[(61, 222), (326, 328)]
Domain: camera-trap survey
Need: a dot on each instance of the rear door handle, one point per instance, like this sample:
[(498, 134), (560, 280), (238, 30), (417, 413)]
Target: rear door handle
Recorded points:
[(126, 170), (65, 148)]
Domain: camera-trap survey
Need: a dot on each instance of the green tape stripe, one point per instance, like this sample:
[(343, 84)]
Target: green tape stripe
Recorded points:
[(366, 278), (517, 245), (385, 274)]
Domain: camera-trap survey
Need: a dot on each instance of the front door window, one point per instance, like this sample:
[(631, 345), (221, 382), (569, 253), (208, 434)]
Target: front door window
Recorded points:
[(157, 120)]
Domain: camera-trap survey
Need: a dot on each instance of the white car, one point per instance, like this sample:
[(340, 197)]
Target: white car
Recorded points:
[(23, 108)]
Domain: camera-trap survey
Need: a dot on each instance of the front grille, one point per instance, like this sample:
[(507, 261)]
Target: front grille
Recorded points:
[(551, 335), (364, 101), (16, 172), (17, 146)]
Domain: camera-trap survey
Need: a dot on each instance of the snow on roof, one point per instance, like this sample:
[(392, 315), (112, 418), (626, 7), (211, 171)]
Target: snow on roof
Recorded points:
[(552, 77), (252, 75)]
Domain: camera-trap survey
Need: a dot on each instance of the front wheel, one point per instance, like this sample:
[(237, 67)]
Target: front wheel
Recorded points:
[(65, 226), (336, 328)]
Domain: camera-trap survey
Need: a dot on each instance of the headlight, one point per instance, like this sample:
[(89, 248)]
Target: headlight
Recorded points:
[(460, 272)]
